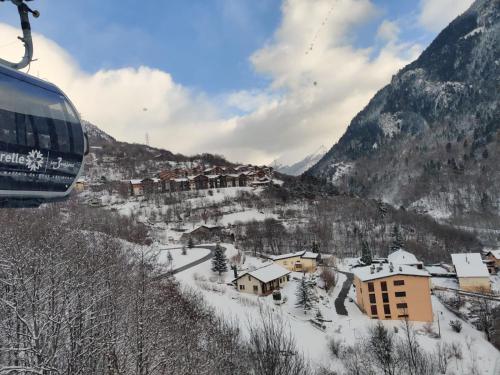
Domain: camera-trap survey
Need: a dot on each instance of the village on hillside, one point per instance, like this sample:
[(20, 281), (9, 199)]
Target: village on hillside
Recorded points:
[(329, 300)]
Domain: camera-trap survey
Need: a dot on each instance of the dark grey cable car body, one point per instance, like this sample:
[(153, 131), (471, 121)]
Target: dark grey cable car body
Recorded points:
[(42, 141)]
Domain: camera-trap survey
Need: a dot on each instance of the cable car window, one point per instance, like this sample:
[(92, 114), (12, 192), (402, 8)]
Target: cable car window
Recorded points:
[(61, 128), (42, 128), (77, 135), (24, 129), (7, 127), (49, 110)]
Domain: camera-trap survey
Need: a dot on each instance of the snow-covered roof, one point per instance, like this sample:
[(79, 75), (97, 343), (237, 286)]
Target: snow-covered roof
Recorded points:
[(136, 182), (156, 180), (402, 257), (310, 255), (81, 180), (302, 254), (268, 273), (469, 265), (212, 176), (437, 270), (384, 270), (207, 226), (180, 179), (495, 253)]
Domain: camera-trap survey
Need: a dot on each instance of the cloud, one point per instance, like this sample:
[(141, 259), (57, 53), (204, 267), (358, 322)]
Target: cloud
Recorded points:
[(388, 31), (437, 14), (319, 89), (319, 81), (176, 117)]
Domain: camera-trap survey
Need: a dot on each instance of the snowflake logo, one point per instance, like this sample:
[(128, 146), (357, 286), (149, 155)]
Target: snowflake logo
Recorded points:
[(34, 161)]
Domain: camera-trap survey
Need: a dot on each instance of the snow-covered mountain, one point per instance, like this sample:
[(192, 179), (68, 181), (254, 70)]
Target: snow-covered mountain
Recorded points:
[(300, 167), (431, 138)]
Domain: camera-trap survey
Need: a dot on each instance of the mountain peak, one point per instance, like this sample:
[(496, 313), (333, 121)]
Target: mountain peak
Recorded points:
[(437, 119)]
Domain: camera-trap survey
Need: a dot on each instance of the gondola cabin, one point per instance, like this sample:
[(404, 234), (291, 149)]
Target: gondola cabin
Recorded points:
[(42, 142)]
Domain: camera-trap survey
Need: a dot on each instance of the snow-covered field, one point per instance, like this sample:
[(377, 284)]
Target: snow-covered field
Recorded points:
[(244, 308), (180, 260), (246, 216)]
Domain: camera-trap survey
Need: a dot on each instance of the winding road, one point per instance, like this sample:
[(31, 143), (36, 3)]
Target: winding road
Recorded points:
[(192, 264), (340, 300)]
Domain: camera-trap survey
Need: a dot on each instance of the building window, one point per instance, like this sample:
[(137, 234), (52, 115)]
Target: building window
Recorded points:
[(402, 305), (287, 277), (242, 287), (400, 294), (255, 288), (373, 299), (385, 297), (387, 310), (249, 278), (370, 287), (399, 282), (284, 262), (403, 316), (383, 286), (374, 309)]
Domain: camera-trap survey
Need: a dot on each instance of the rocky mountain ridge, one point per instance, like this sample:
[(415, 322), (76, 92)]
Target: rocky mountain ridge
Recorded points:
[(430, 139)]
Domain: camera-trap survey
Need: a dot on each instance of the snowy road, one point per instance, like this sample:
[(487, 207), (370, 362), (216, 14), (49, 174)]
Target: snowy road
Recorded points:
[(196, 262), (340, 300), (192, 264)]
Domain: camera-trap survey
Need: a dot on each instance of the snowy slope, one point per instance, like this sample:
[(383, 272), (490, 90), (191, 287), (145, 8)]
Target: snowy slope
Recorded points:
[(300, 167)]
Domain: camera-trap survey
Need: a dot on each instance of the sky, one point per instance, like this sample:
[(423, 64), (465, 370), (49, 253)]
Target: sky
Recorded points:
[(254, 80)]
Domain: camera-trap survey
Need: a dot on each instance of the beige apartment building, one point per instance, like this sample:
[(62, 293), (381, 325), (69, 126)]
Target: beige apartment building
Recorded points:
[(391, 292)]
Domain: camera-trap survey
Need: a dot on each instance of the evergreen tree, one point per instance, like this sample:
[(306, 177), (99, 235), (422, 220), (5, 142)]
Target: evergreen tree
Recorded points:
[(304, 295), (219, 261), (190, 243), (319, 315), (366, 253), (397, 239), (315, 247)]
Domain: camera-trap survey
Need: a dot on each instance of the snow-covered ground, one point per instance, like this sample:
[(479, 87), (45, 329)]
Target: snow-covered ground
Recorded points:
[(244, 308), (246, 216), (180, 260)]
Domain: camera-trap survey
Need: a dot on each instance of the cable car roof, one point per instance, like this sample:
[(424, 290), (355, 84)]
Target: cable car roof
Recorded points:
[(29, 79)]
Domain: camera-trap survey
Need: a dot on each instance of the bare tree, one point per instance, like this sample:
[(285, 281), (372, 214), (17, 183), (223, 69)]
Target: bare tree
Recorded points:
[(272, 349)]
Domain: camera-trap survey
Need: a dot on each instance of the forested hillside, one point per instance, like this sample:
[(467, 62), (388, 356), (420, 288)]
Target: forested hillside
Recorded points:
[(430, 140)]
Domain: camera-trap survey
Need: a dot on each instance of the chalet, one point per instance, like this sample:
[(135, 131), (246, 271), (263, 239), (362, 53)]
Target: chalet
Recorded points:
[(213, 181), (232, 180), (390, 292), (263, 281), (214, 171), (242, 180), (199, 182), (242, 168), (261, 181), (203, 234), (136, 188), (402, 257), (472, 273), (302, 261), (179, 184), (151, 186), (493, 256), (222, 181), (80, 185), (229, 170)]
